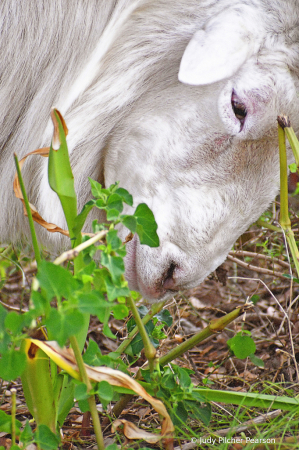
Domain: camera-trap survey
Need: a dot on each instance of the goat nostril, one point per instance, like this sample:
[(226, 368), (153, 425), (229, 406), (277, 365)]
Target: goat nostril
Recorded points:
[(168, 281), (239, 109)]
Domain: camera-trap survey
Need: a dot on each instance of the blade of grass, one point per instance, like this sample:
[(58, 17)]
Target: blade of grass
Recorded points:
[(249, 399)]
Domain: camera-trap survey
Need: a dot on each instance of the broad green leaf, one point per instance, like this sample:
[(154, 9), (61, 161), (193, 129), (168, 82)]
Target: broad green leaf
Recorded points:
[(12, 364), (83, 405), (241, 346), (92, 302), (112, 214), (62, 325), (115, 202), (81, 218), (40, 302), (130, 222), (14, 322), (114, 447), (146, 226), (126, 197), (164, 316), (107, 332), (179, 414), (96, 188), (201, 412), (113, 291), (55, 280), (5, 423), (114, 264), (26, 435), (168, 381), (46, 439), (257, 361), (105, 393), (113, 240), (81, 392), (120, 311)]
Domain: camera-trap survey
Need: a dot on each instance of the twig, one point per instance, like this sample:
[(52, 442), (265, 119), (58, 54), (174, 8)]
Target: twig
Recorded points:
[(71, 254), (249, 423), (259, 256), (272, 273)]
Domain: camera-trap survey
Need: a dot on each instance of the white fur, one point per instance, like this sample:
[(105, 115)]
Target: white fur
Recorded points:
[(112, 67)]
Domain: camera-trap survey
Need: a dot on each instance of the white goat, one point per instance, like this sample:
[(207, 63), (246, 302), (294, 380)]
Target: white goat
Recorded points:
[(176, 100)]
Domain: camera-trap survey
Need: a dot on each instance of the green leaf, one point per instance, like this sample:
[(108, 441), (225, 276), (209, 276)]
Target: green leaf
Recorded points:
[(241, 346), (5, 422), (92, 302), (201, 412), (60, 176), (46, 439), (115, 265), (180, 415), (130, 222), (113, 240), (83, 405), (146, 226), (14, 322), (256, 361), (168, 381), (12, 364), (124, 194), (55, 280), (184, 377), (164, 316), (293, 168), (120, 311), (65, 399), (113, 291), (115, 202), (107, 332), (62, 325), (81, 218), (27, 434), (96, 188), (112, 215), (105, 393), (40, 302), (81, 392), (112, 447)]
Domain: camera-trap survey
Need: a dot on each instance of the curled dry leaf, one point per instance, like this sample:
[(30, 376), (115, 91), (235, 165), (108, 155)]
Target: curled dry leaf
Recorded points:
[(132, 432), (51, 227), (65, 359)]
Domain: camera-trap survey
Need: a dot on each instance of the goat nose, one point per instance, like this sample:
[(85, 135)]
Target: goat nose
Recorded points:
[(169, 282)]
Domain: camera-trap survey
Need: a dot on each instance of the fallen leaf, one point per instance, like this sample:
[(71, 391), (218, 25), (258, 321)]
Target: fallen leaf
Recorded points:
[(65, 359)]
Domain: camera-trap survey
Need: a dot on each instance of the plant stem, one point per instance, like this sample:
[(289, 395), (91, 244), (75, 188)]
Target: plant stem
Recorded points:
[(91, 399), (154, 310), (263, 223), (216, 326), (284, 211), (13, 416), (28, 210), (73, 253), (285, 222), (149, 349)]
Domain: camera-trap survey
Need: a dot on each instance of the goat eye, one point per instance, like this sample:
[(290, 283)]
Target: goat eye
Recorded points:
[(239, 108)]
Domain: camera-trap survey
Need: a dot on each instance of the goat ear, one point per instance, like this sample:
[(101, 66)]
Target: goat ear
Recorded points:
[(218, 51)]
